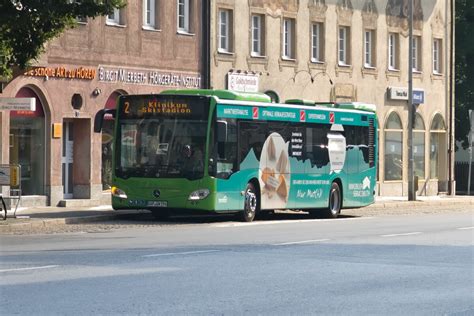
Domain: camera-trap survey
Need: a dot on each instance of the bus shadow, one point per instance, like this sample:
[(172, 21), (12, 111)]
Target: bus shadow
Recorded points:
[(148, 218)]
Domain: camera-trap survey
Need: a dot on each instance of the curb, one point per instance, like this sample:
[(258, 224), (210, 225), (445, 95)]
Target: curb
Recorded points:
[(37, 223), (42, 223)]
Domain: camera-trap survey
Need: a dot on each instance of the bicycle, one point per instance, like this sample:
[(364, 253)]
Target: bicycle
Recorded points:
[(4, 208)]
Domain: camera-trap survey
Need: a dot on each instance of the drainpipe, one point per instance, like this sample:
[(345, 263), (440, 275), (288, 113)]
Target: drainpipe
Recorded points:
[(206, 44), (449, 51)]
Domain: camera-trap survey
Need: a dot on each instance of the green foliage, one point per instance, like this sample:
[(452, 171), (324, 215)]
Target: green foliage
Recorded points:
[(464, 67), (26, 25)]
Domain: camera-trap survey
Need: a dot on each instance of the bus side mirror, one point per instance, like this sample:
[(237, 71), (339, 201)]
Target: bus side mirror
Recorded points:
[(221, 131), (99, 118)]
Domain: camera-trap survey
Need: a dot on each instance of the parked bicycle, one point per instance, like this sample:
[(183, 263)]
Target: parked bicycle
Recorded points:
[(4, 208)]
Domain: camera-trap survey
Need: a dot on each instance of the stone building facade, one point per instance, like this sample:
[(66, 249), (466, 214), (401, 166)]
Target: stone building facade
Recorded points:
[(145, 47), (349, 50)]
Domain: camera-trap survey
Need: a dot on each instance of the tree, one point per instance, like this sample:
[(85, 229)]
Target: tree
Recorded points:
[(464, 68), (26, 25)]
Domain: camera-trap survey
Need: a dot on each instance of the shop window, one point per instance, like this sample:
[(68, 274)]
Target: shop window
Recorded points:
[(437, 146), (393, 148), (419, 147), (27, 144)]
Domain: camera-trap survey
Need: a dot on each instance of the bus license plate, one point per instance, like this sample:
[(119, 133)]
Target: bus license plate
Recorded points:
[(158, 203)]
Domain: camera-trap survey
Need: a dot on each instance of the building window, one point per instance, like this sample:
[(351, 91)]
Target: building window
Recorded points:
[(393, 148), (416, 53), (317, 42), (183, 16), (258, 35), (437, 57), (289, 40), (344, 46), (149, 14), (113, 18), (419, 147), (393, 51), (369, 48), (225, 31), (437, 146)]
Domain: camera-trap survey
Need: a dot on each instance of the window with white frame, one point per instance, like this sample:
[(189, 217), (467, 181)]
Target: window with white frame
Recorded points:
[(258, 35), (288, 47), (114, 17), (317, 42), (393, 51), (183, 16), (149, 14), (416, 53), (344, 46), (369, 48), (437, 69), (225, 31)]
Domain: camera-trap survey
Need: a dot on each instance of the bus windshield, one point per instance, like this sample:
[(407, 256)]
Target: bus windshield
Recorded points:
[(153, 142)]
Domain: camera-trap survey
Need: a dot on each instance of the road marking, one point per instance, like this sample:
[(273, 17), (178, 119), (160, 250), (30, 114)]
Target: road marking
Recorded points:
[(290, 221), (179, 253), (30, 268), (300, 242), (404, 234), (464, 228)]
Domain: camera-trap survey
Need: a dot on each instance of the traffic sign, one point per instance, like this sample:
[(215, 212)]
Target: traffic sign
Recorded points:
[(18, 104)]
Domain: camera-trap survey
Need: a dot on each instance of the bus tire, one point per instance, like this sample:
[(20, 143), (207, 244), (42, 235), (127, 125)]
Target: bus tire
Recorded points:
[(250, 203), (335, 202)]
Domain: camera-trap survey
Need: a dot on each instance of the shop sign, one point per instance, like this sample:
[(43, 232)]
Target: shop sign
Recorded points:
[(62, 72), (18, 104), (148, 77), (242, 82), (402, 94)]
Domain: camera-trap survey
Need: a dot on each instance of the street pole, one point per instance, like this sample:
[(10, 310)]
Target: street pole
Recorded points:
[(411, 109), (471, 132)]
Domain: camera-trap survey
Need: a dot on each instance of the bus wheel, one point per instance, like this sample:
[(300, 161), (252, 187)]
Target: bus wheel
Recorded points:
[(251, 203), (335, 201)]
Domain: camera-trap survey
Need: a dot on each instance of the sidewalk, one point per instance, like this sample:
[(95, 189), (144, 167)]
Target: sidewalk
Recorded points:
[(37, 217)]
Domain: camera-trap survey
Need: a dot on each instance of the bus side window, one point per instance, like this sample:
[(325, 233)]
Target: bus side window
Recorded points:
[(317, 145), (226, 147)]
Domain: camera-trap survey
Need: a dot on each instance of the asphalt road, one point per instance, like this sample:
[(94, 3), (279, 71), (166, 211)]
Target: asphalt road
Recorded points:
[(414, 264)]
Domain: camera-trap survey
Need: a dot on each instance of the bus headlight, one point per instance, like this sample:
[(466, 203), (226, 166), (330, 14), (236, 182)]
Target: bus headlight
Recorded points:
[(198, 195), (119, 193)]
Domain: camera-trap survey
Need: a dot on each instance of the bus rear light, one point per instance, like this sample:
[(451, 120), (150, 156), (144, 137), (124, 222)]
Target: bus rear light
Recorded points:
[(198, 195), (119, 193)]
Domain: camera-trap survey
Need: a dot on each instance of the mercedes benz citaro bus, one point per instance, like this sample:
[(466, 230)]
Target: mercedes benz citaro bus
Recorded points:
[(222, 151)]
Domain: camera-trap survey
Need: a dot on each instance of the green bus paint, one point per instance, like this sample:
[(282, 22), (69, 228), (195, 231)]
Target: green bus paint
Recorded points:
[(169, 145)]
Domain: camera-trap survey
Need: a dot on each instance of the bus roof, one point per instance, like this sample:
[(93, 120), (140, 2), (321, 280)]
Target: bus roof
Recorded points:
[(263, 98), (223, 94)]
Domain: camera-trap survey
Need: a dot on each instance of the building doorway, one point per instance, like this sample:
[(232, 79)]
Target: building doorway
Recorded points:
[(67, 159)]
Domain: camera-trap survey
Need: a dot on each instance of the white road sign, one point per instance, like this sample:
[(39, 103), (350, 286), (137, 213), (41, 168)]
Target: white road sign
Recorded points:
[(25, 104)]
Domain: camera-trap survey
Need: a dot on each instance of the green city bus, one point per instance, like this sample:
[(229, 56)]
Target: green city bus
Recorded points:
[(229, 152)]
